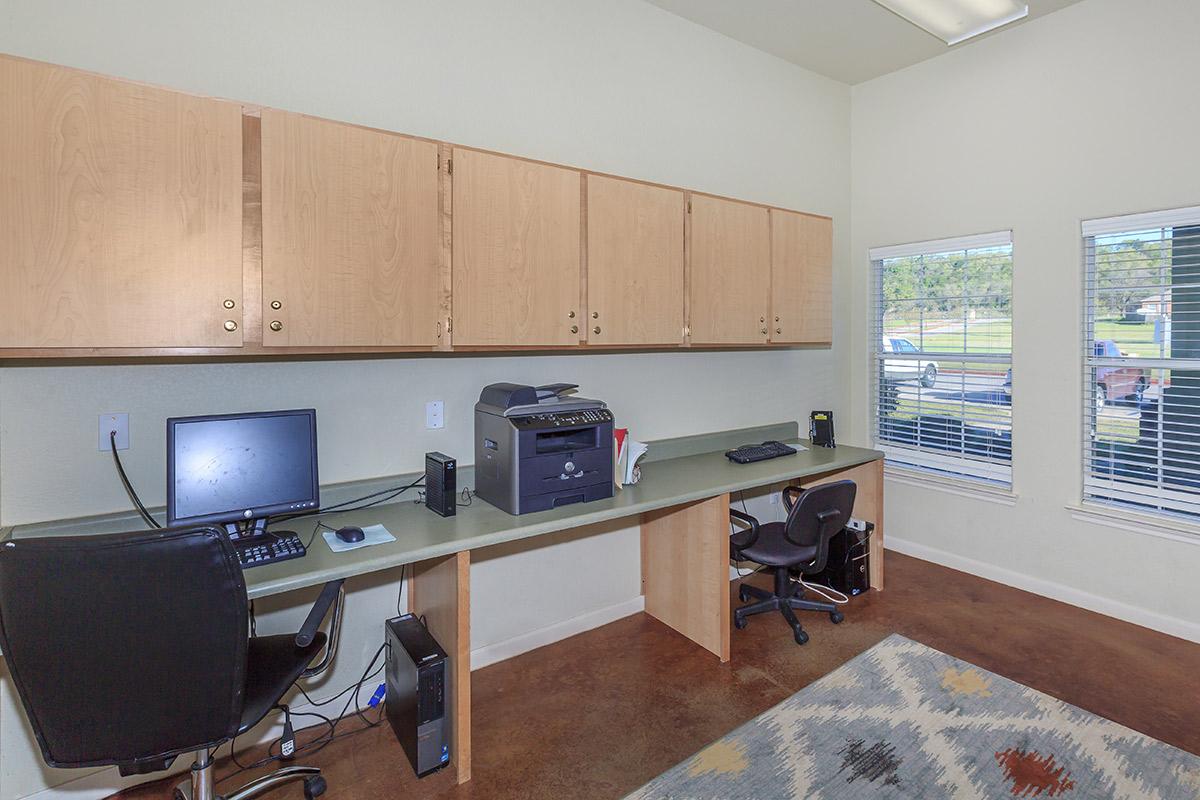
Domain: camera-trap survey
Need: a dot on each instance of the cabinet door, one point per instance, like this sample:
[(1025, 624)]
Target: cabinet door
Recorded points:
[(801, 278), (120, 213), (730, 275), (350, 235), (516, 272), (634, 262)]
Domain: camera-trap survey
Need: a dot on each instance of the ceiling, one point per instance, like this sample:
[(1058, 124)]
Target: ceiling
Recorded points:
[(848, 40)]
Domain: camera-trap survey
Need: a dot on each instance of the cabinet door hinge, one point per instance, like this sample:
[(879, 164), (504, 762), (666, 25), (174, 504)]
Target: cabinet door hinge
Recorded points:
[(439, 329), (449, 166), (689, 206), (449, 324)]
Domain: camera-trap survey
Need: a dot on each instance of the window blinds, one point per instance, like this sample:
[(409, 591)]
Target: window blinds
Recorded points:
[(1141, 361), (942, 344)]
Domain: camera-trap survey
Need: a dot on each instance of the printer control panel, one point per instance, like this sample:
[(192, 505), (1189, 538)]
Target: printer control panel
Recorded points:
[(563, 419)]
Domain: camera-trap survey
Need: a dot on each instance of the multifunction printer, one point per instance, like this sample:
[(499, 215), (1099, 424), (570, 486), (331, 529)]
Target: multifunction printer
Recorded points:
[(540, 447)]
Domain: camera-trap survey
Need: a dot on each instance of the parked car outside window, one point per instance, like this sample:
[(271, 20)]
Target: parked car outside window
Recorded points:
[(903, 369)]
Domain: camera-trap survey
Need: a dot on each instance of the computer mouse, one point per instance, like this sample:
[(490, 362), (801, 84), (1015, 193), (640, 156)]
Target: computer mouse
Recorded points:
[(351, 534)]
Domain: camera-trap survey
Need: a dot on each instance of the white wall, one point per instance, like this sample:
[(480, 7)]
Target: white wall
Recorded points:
[(619, 86), (1087, 112)]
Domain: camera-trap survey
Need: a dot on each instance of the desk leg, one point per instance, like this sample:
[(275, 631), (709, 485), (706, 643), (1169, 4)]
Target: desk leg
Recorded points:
[(685, 570), (440, 589), (868, 505)]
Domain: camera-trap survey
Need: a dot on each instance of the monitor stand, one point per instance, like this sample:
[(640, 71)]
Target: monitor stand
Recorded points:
[(236, 531)]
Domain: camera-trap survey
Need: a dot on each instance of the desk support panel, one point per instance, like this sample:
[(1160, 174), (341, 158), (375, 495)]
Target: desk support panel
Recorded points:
[(685, 570), (440, 589)]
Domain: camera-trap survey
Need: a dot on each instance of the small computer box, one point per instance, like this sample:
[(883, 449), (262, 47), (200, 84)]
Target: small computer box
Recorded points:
[(441, 489), (418, 693)]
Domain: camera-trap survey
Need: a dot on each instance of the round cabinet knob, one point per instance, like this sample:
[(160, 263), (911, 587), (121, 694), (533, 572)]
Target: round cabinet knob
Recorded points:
[(230, 325), (764, 330), (595, 315), (779, 330), (276, 325), (762, 319), (275, 304), (777, 319), (574, 329), (229, 304), (570, 315), (569, 466), (596, 329)]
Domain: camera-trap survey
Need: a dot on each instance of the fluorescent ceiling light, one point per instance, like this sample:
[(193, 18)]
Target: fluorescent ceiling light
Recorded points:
[(954, 21)]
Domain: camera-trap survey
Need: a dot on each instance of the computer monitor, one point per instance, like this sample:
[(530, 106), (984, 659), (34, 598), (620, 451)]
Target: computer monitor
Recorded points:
[(239, 469)]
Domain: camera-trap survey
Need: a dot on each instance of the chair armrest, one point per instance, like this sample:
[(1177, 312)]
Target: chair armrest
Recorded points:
[(790, 494), (308, 631), (749, 520)]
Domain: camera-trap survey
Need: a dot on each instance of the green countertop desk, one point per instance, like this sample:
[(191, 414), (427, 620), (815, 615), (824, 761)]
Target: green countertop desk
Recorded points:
[(682, 502)]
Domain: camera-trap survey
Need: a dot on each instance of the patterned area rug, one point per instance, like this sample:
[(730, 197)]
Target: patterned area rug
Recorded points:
[(905, 721)]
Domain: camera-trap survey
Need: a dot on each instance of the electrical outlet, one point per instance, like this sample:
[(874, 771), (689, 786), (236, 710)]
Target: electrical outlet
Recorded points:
[(109, 423), (435, 418), (776, 497)]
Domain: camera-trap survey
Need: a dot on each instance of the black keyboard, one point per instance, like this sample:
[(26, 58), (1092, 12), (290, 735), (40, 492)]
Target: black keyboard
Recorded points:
[(749, 453), (255, 551)]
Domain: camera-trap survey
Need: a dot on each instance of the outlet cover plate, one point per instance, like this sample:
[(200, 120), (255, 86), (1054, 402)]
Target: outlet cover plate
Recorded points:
[(112, 422), (435, 415)]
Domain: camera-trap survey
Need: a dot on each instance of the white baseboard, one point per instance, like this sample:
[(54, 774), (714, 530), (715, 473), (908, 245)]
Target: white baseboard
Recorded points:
[(1175, 626), (493, 653)]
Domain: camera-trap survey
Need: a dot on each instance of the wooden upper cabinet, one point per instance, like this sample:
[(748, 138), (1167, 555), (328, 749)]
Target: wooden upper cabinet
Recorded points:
[(634, 262), (351, 235), (801, 278), (730, 272), (516, 263), (120, 213)]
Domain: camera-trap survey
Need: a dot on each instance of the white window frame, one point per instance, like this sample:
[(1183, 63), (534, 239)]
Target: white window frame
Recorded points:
[(1153, 499), (992, 473)]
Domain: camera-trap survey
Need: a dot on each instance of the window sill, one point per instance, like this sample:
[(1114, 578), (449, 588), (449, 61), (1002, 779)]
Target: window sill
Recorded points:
[(961, 487), (1137, 522)]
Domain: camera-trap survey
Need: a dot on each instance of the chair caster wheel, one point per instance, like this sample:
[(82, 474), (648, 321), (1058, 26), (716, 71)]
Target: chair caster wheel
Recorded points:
[(743, 595), (801, 636), (836, 616), (314, 787), (740, 622)]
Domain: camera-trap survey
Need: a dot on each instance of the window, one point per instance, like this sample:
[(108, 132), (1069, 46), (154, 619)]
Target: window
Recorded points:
[(1141, 348), (942, 339)]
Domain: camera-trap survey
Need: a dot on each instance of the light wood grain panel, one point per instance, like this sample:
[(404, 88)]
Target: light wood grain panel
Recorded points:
[(440, 589), (685, 570), (801, 278), (634, 262), (729, 272), (351, 235), (516, 251), (868, 506), (120, 213)]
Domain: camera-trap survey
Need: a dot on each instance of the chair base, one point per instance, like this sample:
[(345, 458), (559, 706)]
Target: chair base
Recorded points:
[(199, 785), (787, 598)]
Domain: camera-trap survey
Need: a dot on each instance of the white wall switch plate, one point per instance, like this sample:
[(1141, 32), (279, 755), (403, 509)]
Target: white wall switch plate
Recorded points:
[(775, 498), (435, 417), (113, 422)]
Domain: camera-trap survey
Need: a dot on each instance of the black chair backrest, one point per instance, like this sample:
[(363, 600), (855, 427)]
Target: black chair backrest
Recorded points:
[(125, 647), (817, 515)]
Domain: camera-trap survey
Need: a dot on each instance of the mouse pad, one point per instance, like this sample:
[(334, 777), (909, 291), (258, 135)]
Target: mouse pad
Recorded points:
[(372, 534)]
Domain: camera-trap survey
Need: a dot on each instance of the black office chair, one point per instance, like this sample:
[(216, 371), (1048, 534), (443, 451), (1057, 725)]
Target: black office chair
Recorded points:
[(799, 543), (132, 648)]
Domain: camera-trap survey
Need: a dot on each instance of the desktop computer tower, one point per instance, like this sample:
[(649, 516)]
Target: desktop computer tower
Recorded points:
[(848, 568), (418, 693), (441, 488)]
